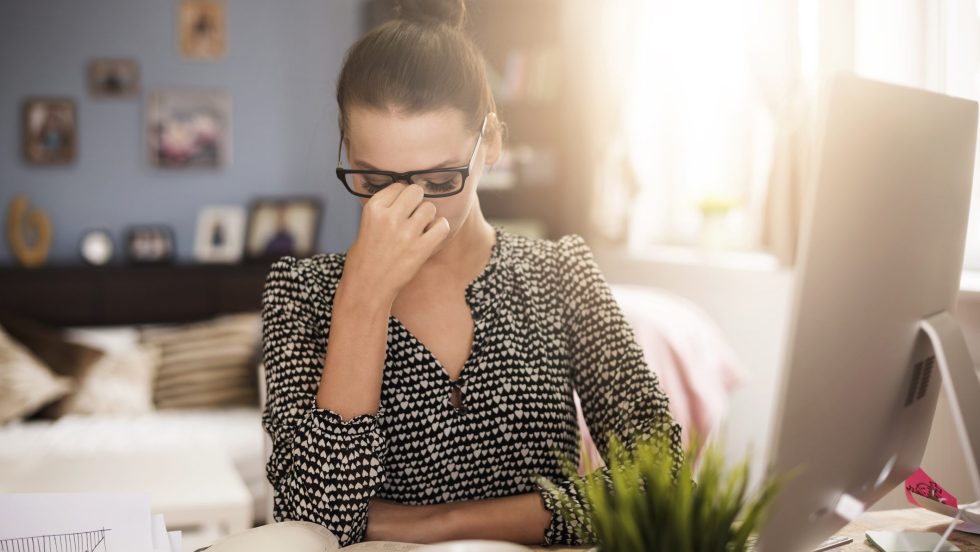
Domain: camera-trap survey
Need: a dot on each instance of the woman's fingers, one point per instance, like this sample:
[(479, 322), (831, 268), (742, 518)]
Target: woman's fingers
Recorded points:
[(423, 215), (436, 232), (387, 195), (408, 199)]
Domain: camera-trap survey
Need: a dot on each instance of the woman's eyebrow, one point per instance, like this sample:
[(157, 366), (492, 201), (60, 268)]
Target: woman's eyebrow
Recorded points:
[(443, 165)]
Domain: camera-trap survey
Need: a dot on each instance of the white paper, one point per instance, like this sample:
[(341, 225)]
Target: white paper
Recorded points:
[(160, 541), (100, 522), (971, 519), (175, 538), (908, 541)]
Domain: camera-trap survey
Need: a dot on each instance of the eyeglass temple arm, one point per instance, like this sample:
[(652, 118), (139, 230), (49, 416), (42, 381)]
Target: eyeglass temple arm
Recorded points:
[(340, 149)]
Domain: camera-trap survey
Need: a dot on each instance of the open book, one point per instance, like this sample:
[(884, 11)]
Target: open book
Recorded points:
[(303, 536)]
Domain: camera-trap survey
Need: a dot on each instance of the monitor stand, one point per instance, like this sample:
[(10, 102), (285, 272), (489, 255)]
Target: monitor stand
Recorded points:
[(962, 387)]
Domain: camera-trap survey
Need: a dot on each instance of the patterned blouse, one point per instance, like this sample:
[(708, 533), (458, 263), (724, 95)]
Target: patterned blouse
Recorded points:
[(545, 324)]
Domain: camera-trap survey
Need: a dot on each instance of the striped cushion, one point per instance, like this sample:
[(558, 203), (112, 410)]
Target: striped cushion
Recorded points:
[(207, 364)]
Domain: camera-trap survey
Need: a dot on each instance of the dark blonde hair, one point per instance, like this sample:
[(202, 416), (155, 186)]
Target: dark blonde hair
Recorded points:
[(419, 62)]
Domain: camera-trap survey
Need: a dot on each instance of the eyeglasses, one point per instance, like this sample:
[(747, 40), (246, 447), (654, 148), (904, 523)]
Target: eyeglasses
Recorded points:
[(435, 182)]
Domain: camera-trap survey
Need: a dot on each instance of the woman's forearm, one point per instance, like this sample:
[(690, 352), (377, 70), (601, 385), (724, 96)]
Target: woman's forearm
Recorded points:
[(517, 518), (356, 346)]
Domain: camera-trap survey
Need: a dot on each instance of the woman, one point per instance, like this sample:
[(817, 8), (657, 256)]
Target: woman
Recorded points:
[(420, 384)]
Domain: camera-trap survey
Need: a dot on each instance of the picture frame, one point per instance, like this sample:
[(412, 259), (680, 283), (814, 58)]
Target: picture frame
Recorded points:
[(188, 128), (281, 226), (201, 29), (113, 78), (220, 234), (50, 130), (150, 244)]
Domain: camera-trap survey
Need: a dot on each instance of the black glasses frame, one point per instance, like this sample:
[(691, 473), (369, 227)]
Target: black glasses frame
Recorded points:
[(407, 176)]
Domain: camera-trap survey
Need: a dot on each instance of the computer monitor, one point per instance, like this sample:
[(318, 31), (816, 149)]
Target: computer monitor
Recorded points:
[(880, 257)]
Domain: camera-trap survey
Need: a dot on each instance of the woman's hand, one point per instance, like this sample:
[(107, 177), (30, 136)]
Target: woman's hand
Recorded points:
[(423, 524), (398, 233)]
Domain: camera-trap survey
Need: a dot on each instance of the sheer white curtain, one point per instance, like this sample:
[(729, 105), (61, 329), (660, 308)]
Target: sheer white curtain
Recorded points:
[(932, 44), (696, 107)]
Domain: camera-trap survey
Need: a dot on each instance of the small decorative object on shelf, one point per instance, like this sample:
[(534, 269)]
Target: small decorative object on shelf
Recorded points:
[(536, 165), (201, 29), (500, 176), (50, 131), (282, 226), (220, 236), (644, 501), (715, 231), (113, 78), (29, 232), (529, 74), (96, 247), (188, 128), (150, 244)]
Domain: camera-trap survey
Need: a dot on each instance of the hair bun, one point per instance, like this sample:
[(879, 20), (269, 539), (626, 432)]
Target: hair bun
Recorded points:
[(432, 12)]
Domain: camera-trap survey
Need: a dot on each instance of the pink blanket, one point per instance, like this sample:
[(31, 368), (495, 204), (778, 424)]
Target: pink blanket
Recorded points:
[(684, 347)]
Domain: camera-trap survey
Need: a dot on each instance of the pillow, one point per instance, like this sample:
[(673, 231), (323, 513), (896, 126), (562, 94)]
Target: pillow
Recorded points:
[(121, 382), (109, 339), (26, 384), (50, 346), (64, 358), (207, 364)]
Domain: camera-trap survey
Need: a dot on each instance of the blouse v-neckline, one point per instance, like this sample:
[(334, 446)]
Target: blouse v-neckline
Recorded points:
[(476, 311)]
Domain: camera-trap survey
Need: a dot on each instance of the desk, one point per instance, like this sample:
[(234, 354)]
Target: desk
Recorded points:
[(906, 519)]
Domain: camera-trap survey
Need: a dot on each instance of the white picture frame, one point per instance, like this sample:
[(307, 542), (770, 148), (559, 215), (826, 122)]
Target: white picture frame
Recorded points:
[(220, 234), (279, 226)]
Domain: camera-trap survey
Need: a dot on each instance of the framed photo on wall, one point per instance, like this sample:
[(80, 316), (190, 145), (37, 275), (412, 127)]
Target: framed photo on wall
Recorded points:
[(150, 244), (113, 78), (188, 128), (220, 235), (282, 226), (50, 131), (201, 30)]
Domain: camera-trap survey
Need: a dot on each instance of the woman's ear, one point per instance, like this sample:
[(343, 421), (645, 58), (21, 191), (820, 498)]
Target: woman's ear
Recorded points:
[(494, 139)]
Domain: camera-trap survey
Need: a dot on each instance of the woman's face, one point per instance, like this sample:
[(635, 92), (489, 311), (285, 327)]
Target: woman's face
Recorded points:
[(391, 141)]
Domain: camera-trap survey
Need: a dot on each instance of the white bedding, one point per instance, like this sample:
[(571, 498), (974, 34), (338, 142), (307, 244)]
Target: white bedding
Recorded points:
[(237, 430)]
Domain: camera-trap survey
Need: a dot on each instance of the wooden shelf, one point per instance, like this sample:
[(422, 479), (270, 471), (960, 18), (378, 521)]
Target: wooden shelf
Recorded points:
[(78, 294)]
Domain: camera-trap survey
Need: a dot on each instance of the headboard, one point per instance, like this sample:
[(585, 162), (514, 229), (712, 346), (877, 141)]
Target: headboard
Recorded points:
[(111, 295)]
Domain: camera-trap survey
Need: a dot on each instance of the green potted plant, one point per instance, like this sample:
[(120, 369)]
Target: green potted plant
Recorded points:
[(639, 504)]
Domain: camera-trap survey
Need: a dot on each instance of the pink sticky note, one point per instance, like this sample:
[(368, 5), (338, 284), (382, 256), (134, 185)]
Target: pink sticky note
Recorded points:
[(919, 483)]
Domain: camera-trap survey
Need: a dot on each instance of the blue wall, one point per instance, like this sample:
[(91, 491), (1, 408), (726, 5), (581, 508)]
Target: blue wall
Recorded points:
[(279, 70)]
